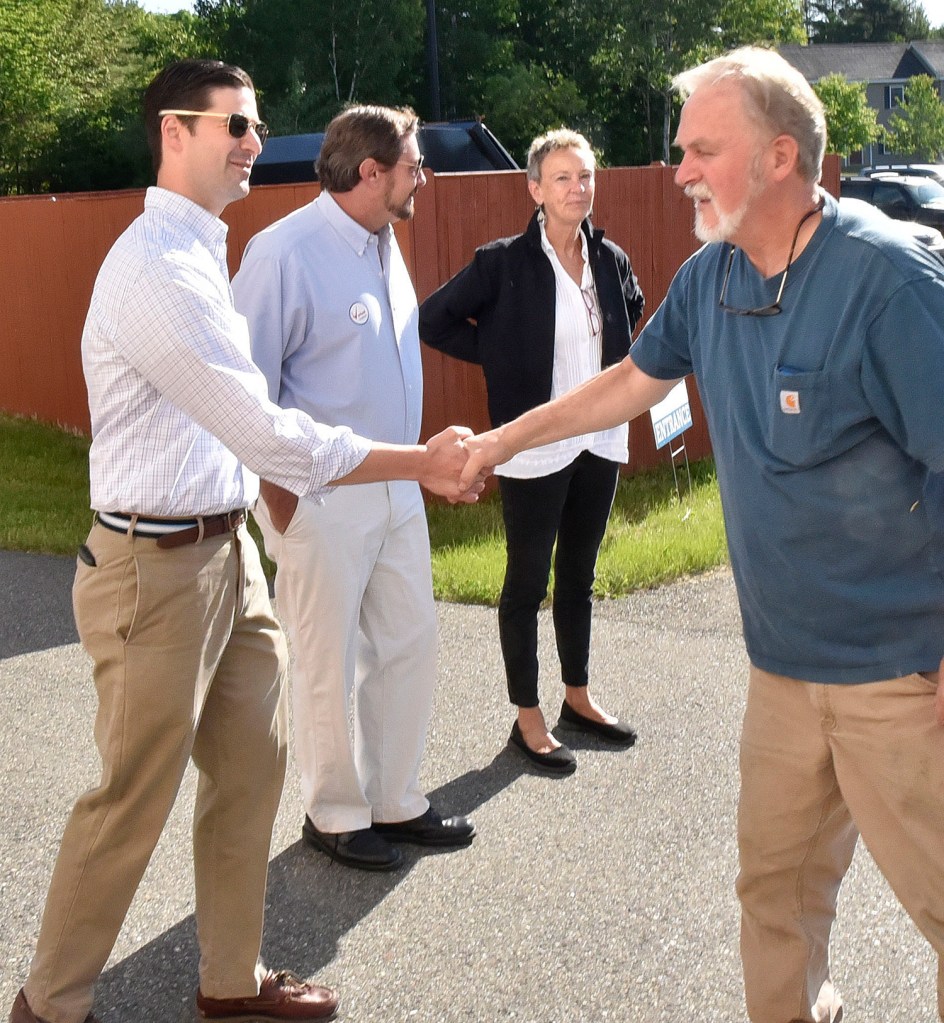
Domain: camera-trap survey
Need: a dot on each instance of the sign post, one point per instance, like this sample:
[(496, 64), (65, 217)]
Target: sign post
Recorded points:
[(671, 417)]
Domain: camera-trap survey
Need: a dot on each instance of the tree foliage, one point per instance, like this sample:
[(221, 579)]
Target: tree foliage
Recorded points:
[(71, 73), (310, 57), (603, 66), (851, 123), (916, 129), (651, 41), (865, 21)]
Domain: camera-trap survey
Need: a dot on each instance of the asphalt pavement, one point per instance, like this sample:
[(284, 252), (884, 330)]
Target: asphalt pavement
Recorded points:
[(605, 896)]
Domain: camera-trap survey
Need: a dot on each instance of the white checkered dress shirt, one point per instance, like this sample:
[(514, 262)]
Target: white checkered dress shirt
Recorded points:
[(176, 403)]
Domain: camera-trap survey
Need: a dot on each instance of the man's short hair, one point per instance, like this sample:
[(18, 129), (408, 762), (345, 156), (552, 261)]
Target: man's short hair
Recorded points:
[(776, 96), (560, 138), (186, 85), (361, 133)]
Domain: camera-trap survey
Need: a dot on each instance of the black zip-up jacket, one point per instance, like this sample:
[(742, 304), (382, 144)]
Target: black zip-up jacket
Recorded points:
[(499, 312)]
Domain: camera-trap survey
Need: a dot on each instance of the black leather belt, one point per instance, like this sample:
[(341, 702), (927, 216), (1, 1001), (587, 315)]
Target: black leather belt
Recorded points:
[(168, 533)]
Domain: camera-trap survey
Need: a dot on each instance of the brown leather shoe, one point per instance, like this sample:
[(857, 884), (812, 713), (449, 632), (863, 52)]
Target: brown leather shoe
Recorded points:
[(22, 1013), (281, 996)]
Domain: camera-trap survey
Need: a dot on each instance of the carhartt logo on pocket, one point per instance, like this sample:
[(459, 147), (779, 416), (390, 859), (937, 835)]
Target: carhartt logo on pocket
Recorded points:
[(790, 402)]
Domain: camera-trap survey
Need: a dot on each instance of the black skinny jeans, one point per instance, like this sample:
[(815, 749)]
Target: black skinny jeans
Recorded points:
[(571, 506)]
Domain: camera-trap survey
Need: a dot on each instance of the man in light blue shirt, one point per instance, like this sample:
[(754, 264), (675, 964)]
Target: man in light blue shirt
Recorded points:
[(333, 325)]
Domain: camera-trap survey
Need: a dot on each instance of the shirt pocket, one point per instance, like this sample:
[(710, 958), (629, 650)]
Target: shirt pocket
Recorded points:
[(802, 421)]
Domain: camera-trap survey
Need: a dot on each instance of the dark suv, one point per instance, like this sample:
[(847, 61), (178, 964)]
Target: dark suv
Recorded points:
[(900, 196)]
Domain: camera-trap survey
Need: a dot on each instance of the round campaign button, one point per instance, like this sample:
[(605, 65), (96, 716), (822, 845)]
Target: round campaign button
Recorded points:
[(359, 313)]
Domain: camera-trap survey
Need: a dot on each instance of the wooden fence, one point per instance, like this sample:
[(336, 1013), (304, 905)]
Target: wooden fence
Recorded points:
[(53, 246)]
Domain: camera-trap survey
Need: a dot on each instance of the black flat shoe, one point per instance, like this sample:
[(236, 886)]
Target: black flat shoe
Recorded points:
[(622, 735), (558, 761), (429, 829), (364, 849)]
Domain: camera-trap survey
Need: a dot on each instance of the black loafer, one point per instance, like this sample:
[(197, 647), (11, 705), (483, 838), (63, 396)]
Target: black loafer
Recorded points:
[(364, 849), (622, 735), (557, 761), (429, 829)]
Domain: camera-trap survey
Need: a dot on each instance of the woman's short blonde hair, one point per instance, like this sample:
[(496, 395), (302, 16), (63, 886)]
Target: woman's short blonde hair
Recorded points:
[(560, 138)]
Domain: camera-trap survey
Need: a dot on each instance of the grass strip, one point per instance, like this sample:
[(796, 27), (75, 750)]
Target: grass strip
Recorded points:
[(653, 536)]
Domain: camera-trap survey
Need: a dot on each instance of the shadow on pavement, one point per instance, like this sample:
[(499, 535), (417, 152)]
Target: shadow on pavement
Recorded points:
[(312, 904)]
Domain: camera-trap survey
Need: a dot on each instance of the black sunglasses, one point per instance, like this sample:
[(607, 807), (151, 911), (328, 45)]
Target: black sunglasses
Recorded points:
[(236, 124)]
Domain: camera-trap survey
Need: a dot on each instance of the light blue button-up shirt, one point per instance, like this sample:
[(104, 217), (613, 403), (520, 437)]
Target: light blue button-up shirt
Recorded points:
[(333, 322)]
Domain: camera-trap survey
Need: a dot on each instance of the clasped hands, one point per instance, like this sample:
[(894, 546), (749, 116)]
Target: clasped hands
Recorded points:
[(460, 462)]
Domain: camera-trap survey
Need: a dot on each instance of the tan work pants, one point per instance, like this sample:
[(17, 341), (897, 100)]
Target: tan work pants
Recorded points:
[(188, 661), (819, 765)]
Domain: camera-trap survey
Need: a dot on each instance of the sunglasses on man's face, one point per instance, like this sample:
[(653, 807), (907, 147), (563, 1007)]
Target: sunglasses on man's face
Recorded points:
[(236, 124)]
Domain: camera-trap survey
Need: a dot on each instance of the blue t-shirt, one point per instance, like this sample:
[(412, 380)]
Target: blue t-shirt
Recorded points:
[(827, 424)]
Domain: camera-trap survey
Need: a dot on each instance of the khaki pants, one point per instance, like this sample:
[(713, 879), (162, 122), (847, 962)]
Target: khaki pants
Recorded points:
[(188, 662), (819, 764), (355, 591)]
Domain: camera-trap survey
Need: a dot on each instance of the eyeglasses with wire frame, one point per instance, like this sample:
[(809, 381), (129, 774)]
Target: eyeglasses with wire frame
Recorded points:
[(589, 301), (417, 168), (774, 309), (236, 124)]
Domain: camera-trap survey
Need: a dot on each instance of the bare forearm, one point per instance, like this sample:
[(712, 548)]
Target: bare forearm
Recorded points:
[(437, 465), (388, 462), (616, 396), (383, 462)]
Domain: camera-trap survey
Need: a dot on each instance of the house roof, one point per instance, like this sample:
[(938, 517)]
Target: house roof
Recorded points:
[(932, 50), (867, 62)]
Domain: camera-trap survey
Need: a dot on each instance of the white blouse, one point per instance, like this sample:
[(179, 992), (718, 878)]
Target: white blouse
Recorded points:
[(578, 356)]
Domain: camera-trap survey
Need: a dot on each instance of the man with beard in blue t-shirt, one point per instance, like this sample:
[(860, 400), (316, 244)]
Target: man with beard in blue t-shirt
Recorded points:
[(816, 336)]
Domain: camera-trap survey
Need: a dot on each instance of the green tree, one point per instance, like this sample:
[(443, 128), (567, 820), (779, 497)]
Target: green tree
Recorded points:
[(866, 21), (850, 122), (528, 100), (308, 58), (100, 140), (916, 128), (653, 40), (71, 75), (518, 64), (476, 42), (30, 93)]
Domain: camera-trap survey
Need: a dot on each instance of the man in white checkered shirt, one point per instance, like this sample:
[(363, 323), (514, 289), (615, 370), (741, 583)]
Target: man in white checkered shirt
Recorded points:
[(170, 599)]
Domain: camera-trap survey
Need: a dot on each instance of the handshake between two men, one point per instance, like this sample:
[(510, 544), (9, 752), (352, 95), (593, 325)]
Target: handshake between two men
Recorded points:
[(460, 461), (451, 464), (457, 461)]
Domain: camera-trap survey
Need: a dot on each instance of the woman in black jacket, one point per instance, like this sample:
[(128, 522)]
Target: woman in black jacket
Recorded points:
[(541, 313)]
